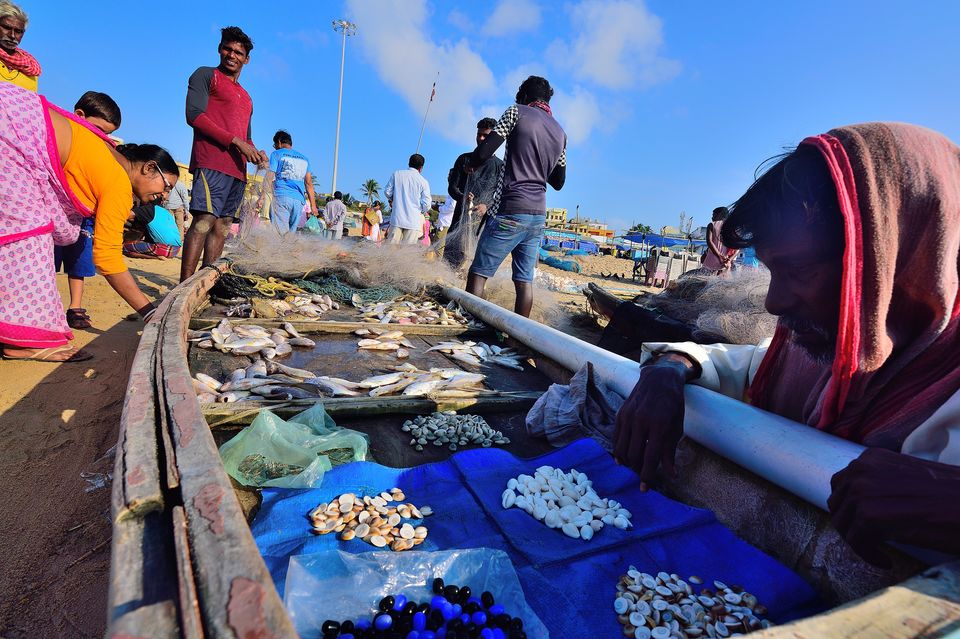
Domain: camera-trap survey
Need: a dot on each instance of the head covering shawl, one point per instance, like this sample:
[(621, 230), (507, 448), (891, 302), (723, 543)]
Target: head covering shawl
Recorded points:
[(897, 355)]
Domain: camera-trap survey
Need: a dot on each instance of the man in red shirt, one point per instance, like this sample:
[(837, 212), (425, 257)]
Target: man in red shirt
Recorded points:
[(219, 110)]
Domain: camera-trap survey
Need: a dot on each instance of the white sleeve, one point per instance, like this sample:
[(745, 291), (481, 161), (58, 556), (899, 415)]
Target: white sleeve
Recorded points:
[(726, 368), (938, 438)]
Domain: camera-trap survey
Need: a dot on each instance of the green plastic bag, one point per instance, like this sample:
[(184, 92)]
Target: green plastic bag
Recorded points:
[(291, 454), (313, 225)]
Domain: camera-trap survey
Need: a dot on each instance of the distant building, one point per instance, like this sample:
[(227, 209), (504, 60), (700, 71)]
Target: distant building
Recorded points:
[(556, 218)]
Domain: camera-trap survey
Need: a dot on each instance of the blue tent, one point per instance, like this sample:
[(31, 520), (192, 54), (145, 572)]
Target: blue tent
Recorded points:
[(664, 242)]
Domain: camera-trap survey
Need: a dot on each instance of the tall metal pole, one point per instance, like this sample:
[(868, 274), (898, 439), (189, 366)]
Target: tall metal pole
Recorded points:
[(347, 28), (433, 92)]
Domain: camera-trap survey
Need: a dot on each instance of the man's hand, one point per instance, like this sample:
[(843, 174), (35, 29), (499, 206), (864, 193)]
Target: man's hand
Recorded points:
[(886, 496), (480, 208), (263, 162), (247, 150), (650, 423)]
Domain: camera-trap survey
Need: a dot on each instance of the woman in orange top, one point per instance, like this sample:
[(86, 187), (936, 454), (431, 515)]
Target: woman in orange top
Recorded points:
[(54, 170)]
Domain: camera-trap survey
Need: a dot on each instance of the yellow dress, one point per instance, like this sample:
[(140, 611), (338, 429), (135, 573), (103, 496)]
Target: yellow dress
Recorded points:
[(101, 184), (28, 82)]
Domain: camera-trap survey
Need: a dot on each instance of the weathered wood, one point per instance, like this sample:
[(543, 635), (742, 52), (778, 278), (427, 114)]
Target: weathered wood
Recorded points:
[(342, 327), (137, 483), (241, 413), (142, 601), (190, 620), (925, 606), (235, 592)]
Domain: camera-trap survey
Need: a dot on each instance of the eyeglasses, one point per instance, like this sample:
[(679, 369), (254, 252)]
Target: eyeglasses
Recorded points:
[(167, 187)]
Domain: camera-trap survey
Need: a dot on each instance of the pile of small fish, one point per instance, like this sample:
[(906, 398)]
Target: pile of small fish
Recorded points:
[(566, 501), (450, 428), (250, 339), (406, 380), (407, 311), (260, 380), (475, 353), (305, 306), (384, 340), (273, 380), (377, 520), (666, 607)]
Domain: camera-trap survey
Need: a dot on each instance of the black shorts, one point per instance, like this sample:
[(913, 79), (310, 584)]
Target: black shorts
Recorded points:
[(216, 193)]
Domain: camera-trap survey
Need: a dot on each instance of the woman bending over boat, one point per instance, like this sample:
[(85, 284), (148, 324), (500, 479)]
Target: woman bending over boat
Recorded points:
[(56, 170)]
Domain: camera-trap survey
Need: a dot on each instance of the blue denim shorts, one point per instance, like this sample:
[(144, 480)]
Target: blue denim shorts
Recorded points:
[(517, 234), (77, 259)]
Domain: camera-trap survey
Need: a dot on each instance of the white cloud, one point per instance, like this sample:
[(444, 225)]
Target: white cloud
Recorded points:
[(460, 20), (513, 16), (578, 112), (394, 36), (617, 46)]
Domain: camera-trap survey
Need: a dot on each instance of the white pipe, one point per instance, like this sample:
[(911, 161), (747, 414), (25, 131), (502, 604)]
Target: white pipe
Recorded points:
[(793, 456)]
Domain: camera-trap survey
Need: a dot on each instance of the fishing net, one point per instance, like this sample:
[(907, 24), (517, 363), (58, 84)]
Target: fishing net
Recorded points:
[(727, 309), (363, 265), (255, 206), (345, 293)]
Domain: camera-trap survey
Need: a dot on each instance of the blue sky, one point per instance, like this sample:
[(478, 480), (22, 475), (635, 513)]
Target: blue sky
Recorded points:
[(669, 106)]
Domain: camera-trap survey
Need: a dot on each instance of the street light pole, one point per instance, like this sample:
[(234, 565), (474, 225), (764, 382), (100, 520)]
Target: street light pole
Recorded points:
[(346, 28)]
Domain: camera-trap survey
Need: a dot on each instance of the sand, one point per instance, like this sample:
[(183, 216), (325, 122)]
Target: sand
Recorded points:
[(56, 422)]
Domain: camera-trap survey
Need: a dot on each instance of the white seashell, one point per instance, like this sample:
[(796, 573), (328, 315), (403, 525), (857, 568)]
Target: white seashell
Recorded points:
[(552, 519), (621, 523), (621, 605), (636, 619), (393, 520), (509, 498), (426, 511), (623, 512), (512, 484), (378, 540), (571, 531), (565, 501), (608, 520), (540, 511), (362, 530), (642, 632), (407, 531), (596, 524), (583, 519), (586, 532)]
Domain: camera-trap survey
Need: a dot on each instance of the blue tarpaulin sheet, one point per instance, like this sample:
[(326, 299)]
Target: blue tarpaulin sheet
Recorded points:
[(660, 240), (568, 582)]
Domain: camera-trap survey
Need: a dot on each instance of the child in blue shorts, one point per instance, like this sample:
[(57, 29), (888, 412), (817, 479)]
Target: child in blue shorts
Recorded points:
[(100, 110)]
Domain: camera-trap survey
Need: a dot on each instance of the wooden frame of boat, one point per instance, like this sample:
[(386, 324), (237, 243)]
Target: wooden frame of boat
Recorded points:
[(184, 562)]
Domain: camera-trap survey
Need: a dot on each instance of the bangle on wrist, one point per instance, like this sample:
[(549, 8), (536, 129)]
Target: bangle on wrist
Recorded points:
[(147, 310)]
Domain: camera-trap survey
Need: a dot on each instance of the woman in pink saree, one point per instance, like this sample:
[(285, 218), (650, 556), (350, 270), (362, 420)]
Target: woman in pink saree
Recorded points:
[(56, 169)]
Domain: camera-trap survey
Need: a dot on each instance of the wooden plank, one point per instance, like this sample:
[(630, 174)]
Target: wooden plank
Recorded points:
[(235, 592), (190, 620), (137, 485), (925, 606), (142, 601), (242, 413), (199, 323)]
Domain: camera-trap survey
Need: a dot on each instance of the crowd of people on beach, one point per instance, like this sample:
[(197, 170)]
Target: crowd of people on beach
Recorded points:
[(868, 329)]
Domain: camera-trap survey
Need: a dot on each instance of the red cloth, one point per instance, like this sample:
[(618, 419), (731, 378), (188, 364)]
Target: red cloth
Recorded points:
[(898, 346), (21, 61), (227, 115)]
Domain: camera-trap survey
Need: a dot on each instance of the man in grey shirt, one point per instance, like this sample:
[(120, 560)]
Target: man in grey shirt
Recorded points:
[(536, 156), (334, 214), (178, 203)]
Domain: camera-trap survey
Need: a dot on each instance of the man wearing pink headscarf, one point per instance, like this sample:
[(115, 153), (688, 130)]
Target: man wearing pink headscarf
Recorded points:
[(16, 65), (860, 229)]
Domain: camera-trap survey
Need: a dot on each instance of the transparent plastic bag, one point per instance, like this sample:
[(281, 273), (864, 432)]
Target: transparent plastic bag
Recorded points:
[(340, 585), (290, 454)]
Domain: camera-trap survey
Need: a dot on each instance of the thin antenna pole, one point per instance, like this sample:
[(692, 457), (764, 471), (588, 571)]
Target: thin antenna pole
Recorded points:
[(433, 92)]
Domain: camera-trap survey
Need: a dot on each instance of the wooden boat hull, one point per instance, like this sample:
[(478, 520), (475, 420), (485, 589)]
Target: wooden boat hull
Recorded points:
[(184, 563)]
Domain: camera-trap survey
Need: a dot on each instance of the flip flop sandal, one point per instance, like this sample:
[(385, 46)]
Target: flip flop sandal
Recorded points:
[(78, 318), (44, 355)]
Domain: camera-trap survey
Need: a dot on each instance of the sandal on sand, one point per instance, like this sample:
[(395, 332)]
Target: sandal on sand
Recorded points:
[(78, 318), (49, 355)]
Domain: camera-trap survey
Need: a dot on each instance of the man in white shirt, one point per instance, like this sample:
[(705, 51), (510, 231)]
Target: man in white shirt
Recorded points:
[(409, 195), (444, 219)]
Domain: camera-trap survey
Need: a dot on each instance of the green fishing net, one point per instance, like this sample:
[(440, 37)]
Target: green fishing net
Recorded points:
[(337, 290)]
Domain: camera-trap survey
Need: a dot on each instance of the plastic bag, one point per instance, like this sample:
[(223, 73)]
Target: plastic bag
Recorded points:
[(313, 225), (340, 585), (290, 454)]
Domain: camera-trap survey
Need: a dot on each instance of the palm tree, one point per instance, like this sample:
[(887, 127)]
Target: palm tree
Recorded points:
[(371, 189)]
